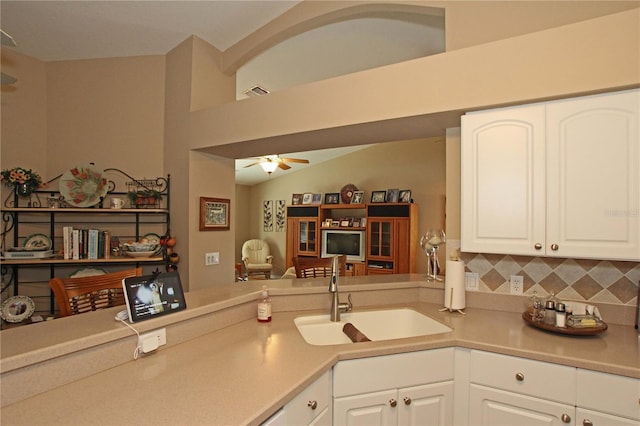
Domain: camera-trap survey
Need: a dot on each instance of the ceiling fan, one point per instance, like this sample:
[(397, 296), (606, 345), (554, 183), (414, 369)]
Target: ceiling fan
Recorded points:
[(270, 163)]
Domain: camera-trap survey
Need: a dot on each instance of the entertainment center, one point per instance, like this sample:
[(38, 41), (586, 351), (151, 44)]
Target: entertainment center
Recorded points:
[(378, 238)]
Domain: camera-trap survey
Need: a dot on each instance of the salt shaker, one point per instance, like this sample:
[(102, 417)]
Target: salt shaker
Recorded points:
[(550, 312), (561, 317)]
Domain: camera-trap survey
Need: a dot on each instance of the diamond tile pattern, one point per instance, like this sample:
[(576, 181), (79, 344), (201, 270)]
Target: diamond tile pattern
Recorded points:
[(576, 279)]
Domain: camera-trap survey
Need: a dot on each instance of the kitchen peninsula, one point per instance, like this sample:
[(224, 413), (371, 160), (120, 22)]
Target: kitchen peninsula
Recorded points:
[(223, 367)]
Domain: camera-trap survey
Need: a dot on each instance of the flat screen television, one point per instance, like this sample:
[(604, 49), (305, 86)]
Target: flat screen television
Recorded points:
[(347, 242)]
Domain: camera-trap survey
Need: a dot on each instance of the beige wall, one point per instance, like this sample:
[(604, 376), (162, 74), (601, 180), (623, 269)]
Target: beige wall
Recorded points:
[(418, 165), (134, 113)]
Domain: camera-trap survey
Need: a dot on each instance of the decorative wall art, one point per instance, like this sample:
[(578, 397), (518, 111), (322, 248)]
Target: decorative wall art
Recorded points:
[(280, 215), (267, 211), (214, 214)]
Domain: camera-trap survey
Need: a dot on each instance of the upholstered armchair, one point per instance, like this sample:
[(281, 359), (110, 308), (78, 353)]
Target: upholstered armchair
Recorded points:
[(257, 258)]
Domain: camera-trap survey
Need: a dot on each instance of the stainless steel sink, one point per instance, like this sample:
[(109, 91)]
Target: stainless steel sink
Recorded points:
[(376, 325)]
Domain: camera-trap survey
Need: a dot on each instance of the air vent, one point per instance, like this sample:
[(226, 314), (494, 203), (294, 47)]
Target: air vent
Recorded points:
[(256, 90)]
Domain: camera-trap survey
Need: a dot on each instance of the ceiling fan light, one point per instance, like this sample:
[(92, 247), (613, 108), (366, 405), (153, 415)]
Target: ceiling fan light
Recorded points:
[(269, 166)]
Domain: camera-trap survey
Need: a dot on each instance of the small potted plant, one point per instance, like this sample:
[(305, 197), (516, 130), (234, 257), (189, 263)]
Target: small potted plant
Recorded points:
[(24, 181)]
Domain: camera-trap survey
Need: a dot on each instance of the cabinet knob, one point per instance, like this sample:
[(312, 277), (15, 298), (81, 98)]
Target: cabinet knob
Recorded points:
[(407, 400), (554, 247), (538, 246), (393, 402), (312, 404), (587, 422), (520, 377), (565, 418)]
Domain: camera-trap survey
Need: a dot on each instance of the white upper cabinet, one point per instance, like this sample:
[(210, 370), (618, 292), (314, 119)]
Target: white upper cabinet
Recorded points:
[(558, 179)]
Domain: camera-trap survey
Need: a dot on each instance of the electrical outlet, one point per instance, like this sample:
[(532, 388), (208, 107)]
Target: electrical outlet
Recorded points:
[(152, 340), (212, 258), (517, 283), (471, 281)]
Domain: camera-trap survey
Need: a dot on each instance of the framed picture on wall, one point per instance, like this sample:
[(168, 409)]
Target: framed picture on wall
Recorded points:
[(214, 214)]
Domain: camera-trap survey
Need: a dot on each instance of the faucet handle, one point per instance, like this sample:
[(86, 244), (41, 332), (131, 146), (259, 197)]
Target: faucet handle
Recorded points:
[(350, 304)]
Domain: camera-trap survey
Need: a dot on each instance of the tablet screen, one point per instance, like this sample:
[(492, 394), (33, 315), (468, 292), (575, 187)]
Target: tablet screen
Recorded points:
[(150, 296)]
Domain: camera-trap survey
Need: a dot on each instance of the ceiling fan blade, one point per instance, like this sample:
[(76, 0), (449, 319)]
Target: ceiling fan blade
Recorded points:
[(252, 164), (7, 79), (283, 166), (294, 160), (6, 39)]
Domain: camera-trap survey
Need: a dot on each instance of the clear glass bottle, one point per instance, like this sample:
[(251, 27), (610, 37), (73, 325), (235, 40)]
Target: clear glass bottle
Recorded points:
[(264, 306), (561, 315)]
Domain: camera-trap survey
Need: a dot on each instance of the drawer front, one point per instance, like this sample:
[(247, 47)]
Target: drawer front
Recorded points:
[(609, 393), (392, 371), (300, 410), (528, 377)]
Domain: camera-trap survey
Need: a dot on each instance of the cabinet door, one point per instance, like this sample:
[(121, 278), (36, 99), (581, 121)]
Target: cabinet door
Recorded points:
[(426, 405), (593, 172), (381, 238), (503, 181), (493, 407), (588, 418), (308, 237), (371, 409)]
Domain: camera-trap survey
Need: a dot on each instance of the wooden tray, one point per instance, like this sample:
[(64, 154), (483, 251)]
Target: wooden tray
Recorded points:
[(574, 331)]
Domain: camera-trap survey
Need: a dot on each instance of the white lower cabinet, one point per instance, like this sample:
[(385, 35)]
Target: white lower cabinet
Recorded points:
[(607, 399), (413, 388), (312, 406), (506, 390)]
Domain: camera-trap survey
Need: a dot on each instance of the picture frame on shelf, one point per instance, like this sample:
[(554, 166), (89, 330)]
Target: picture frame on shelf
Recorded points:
[(326, 223), (355, 223), (378, 196), (335, 223), (296, 199), (392, 195), (317, 199), (307, 198), (332, 198), (363, 222), (405, 196), (358, 197), (214, 214), (344, 222)]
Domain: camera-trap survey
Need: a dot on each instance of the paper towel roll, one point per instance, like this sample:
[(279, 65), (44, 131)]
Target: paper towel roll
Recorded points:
[(454, 295)]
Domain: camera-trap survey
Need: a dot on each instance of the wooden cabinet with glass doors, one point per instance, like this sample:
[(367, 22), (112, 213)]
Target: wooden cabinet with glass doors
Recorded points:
[(302, 232), (392, 238)]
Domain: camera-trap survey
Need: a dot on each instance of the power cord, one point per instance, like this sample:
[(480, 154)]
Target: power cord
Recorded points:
[(136, 352)]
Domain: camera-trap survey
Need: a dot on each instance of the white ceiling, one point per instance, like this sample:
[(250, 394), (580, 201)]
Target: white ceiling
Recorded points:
[(65, 30)]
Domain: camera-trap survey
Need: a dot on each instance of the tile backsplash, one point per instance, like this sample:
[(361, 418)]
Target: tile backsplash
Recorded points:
[(595, 281)]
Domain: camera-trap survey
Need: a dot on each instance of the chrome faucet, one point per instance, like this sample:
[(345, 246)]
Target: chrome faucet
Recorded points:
[(336, 306)]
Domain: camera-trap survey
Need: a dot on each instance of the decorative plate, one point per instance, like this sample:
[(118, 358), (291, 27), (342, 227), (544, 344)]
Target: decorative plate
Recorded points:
[(151, 238), (37, 242), (83, 186), (87, 272), (17, 308), (346, 193)]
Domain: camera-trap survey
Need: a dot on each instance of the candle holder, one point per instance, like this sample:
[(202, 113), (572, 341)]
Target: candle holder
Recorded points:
[(430, 243)]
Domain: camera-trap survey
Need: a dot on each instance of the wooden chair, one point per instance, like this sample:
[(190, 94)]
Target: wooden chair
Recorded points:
[(312, 267), (85, 294)]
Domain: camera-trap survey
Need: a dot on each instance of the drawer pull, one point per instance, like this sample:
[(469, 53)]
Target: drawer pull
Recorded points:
[(393, 402), (407, 400), (587, 422), (312, 404), (554, 247), (565, 418), (520, 377), (538, 246)]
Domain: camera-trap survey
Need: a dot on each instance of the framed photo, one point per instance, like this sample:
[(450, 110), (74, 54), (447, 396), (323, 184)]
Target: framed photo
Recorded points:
[(307, 198), (335, 223), (326, 223), (363, 222), (355, 223), (332, 198), (214, 214), (378, 196), (405, 196), (392, 195), (296, 199), (358, 197), (317, 199), (344, 222)]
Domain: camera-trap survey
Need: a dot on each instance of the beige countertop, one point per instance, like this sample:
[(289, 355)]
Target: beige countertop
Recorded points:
[(245, 371)]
